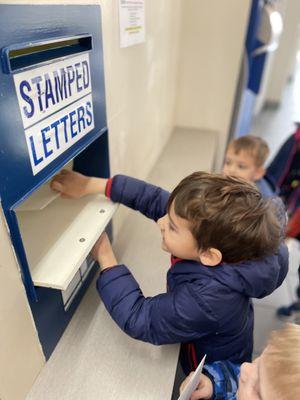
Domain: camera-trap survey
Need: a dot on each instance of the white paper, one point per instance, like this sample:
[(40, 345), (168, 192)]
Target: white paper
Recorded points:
[(193, 383), (132, 22)]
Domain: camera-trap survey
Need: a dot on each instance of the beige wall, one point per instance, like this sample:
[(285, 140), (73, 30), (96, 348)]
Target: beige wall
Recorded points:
[(21, 357), (212, 40), (141, 85)]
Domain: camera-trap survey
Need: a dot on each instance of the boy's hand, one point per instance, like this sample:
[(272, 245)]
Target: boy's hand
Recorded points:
[(74, 185), (103, 252), (204, 390)]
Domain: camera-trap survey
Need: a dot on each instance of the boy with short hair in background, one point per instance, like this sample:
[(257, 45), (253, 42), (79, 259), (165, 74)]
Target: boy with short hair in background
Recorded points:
[(245, 158)]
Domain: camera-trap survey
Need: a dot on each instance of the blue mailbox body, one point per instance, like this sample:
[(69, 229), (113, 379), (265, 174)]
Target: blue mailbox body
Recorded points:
[(52, 110)]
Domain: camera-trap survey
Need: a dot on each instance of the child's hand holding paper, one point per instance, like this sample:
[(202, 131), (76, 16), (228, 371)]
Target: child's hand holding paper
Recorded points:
[(196, 386)]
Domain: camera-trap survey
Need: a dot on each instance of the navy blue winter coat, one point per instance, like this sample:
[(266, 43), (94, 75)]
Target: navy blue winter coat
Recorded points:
[(284, 171), (280, 166), (209, 309)]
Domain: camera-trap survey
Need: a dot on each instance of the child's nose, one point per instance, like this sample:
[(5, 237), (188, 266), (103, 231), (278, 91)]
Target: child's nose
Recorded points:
[(231, 170), (161, 222)]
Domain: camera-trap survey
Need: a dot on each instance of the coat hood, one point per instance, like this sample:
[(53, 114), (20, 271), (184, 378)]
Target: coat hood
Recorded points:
[(256, 278)]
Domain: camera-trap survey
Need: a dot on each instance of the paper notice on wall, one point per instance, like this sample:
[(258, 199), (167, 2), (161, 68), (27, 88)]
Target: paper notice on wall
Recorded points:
[(132, 22)]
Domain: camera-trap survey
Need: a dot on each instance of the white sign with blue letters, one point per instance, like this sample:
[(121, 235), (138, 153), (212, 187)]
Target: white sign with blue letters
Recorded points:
[(56, 105)]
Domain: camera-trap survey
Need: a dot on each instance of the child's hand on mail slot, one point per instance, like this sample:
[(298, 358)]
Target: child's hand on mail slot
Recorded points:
[(74, 185), (103, 252)]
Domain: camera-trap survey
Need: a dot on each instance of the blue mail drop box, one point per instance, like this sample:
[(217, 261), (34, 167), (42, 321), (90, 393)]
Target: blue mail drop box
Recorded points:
[(52, 116)]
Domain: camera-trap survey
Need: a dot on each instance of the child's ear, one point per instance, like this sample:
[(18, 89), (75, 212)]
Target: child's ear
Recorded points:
[(210, 257), (259, 173)]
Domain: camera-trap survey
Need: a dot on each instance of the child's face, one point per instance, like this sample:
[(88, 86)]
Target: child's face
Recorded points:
[(249, 388), (241, 165), (177, 238), (253, 382)]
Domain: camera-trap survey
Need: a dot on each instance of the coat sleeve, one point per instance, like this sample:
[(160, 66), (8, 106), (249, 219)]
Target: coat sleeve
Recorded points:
[(174, 317), (283, 261), (150, 200), (224, 376), (278, 168)]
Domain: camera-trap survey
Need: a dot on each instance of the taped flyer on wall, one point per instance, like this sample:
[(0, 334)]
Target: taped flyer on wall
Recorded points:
[(132, 22)]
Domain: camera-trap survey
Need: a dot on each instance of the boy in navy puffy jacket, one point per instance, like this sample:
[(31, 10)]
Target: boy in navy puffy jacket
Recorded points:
[(226, 246)]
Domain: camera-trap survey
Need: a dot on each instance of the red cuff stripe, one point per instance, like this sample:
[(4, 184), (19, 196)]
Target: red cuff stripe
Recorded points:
[(108, 187), (194, 357), (190, 357), (293, 228)]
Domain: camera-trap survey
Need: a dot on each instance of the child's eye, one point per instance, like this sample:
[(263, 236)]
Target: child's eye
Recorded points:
[(242, 166), (227, 162)]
